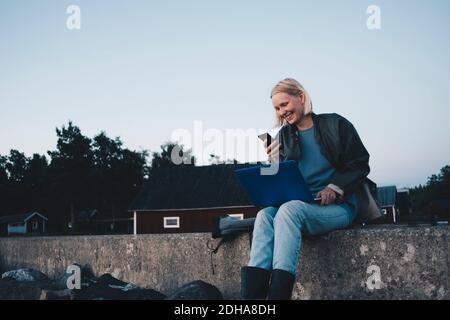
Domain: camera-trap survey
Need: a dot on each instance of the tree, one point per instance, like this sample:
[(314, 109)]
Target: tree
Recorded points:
[(445, 181), (70, 169), (169, 149), (437, 187), (129, 175), (4, 187), (118, 173), (35, 183), (3, 171), (16, 165), (37, 167), (106, 151)]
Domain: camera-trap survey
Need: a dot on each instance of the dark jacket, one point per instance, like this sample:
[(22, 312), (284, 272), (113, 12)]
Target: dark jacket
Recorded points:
[(341, 145)]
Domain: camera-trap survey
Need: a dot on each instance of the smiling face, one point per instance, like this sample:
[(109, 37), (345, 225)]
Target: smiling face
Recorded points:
[(290, 108)]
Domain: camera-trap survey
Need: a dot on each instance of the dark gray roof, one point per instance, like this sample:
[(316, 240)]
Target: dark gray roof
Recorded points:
[(84, 215), (184, 187), (387, 195), (17, 218)]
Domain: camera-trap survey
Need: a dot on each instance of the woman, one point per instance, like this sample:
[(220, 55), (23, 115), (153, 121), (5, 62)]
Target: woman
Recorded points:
[(334, 163)]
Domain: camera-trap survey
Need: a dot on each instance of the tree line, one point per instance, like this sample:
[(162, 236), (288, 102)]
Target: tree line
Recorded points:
[(81, 173), (436, 188)]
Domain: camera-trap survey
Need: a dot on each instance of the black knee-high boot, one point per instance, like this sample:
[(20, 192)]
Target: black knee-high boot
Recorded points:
[(281, 285), (254, 283)]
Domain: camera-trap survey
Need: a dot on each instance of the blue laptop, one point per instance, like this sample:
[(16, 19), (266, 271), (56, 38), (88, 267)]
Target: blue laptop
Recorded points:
[(274, 190)]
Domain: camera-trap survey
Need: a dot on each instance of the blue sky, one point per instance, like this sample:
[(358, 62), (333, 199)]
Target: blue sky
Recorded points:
[(142, 69)]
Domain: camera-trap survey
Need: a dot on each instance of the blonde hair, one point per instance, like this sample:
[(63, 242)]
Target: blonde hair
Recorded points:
[(293, 88)]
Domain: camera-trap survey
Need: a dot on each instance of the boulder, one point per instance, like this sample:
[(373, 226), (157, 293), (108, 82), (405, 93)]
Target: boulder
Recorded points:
[(25, 274), (106, 287), (14, 290), (30, 284), (56, 294), (197, 290)]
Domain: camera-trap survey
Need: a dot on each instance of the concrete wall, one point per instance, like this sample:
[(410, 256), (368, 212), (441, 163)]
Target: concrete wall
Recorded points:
[(412, 263)]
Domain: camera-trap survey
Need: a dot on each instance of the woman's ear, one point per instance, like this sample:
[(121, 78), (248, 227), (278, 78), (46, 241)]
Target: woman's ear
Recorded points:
[(302, 99)]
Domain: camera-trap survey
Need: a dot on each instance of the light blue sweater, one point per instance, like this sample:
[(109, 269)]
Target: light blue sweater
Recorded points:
[(313, 165)]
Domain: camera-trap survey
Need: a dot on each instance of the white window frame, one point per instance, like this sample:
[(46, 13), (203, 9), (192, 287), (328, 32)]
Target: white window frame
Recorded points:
[(34, 225), (166, 226), (237, 215)]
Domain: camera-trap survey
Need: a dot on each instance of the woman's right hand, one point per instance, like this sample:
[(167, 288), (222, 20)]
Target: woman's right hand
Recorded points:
[(273, 150)]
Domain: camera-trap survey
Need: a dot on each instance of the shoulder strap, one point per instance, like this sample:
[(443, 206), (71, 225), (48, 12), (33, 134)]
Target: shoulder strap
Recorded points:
[(214, 250), (224, 239)]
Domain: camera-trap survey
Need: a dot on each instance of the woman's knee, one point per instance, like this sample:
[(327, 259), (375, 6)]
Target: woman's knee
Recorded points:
[(292, 210), (265, 215)]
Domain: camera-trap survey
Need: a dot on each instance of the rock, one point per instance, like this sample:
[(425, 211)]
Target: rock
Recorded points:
[(106, 287), (25, 274), (108, 280), (14, 290), (197, 290), (149, 294), (56, 295), (30, 284)]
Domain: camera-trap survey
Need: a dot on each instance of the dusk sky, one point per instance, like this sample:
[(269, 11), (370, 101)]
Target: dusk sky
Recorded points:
[(143, 69)]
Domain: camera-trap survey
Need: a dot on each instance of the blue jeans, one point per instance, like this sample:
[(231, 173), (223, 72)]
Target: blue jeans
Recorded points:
[(277, 232)]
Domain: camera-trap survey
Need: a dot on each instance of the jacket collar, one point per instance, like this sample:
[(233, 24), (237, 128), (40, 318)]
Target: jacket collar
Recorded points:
[(293, 129)]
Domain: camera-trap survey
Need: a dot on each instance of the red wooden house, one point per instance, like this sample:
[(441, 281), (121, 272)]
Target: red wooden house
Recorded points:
[(187, 198)]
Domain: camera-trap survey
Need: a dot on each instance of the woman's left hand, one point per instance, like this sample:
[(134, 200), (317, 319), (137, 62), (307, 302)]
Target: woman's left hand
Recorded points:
[(327, 195)]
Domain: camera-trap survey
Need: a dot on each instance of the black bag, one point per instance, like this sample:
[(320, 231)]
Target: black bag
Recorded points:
[(227, 225), (228, 228)]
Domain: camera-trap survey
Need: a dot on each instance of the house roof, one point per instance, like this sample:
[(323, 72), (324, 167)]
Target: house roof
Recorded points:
[(189, 187), (20, 217), (84, 215), (387, 195)]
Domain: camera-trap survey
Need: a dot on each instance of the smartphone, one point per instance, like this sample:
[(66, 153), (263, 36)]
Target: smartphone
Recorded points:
[(265, 136)]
